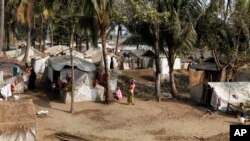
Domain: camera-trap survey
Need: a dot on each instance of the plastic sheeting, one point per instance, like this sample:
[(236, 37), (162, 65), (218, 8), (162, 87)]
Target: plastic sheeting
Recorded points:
[(39, 64), (33, 53), (232, 92), (59, 62), (56, 49), (75, 53)]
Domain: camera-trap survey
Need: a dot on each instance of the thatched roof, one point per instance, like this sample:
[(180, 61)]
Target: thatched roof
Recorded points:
[(17, 115)]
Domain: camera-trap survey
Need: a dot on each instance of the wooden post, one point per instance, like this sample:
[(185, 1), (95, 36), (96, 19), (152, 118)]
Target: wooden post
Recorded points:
[(72, 71)]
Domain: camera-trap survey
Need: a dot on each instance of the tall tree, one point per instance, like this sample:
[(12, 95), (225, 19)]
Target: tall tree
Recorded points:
[(178, 34), (25, 15), (1, 26), (102, 11), (229, 38), (149, 18)]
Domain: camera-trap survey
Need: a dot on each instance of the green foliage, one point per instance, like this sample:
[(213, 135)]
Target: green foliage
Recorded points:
[(147, 11)]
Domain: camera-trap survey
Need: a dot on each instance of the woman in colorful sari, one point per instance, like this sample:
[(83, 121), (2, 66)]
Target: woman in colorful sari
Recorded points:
[(131, 89)]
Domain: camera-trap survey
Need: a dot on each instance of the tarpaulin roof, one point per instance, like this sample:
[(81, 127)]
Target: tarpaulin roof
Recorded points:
[(56, 49), (232, 92), (59, 62)]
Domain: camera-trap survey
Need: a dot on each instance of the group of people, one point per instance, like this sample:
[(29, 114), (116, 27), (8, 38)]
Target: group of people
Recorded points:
[(130, 96)]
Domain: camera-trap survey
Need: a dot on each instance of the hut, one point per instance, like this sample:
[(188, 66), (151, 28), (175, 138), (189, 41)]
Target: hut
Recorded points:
[(203, 72), (223, 96), (58, 71), (17, 121), (148, 62)]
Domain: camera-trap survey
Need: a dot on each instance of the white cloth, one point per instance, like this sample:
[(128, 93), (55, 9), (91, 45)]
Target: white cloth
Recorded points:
[(6, 91)]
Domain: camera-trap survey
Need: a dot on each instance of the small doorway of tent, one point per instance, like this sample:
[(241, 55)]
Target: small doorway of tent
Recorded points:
[(207, 95), (55, 86)]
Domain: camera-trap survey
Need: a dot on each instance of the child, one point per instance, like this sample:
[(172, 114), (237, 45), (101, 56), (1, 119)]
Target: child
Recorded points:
[(131, 89), (118, 94)]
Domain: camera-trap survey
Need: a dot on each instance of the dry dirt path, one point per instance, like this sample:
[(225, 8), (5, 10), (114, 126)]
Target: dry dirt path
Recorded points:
[(146, 120)]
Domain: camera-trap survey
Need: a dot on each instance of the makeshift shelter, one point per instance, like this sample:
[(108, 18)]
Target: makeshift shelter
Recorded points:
[(204, 71), (75, 53), (17, 121), (136, 58), (93, 55), (148, 61), (39, 64), (220, 95), (56, 49), (58, 71), (13, 53), (32, 54), (9, 77)]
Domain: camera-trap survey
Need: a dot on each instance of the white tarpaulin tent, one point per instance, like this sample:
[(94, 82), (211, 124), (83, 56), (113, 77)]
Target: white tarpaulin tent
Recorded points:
[(58, 62), (56, 49), (75, 53), (32, 53), (83, 80), (232, 92), (39, 64)]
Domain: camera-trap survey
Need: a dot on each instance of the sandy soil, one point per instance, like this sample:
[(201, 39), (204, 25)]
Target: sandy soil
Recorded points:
[(147, 120)]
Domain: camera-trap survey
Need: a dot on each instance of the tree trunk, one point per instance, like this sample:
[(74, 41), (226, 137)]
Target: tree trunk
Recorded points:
[(223, 76), (72, 70), (171, 60), (41, 35), (52, 36), (7, 32), (117, 38), (87, 41), (173, 89), (108, 93), (25, 59), (156, 31), (1, 26)]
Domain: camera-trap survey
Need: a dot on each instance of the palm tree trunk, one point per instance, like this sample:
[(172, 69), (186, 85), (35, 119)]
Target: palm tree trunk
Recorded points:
[(173, 89), (41, 35), (171, 60), (108, 93), (157, 63), (25, 59), (117, 38), (72, 70), (7, 32), (2, 26), (87, 40), (51, 35)]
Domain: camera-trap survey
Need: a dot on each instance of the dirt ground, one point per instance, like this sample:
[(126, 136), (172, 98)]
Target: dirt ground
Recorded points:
[(147, 120)]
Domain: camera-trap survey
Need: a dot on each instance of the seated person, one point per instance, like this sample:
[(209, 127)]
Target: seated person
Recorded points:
[(118, 94)]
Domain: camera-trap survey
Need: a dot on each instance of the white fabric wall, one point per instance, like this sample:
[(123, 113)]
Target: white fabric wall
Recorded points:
[(39, 64)]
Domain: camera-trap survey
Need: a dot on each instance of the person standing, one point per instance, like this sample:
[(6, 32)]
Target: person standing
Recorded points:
[(131, 88), (32, 80)]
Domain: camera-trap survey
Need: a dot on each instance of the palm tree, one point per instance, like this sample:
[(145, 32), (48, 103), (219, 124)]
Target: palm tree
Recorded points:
[(25, 15), (102, 10), (170, 31), (230, 36), (1, 26), (178, 34)]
